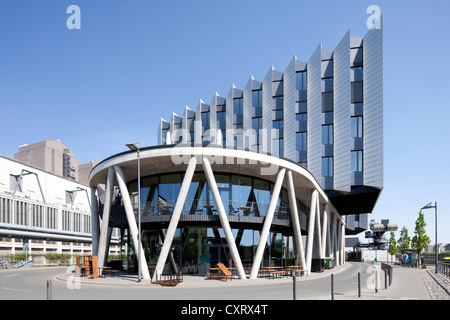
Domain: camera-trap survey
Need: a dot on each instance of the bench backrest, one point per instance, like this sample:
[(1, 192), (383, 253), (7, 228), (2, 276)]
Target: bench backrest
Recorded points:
[(224, 269)]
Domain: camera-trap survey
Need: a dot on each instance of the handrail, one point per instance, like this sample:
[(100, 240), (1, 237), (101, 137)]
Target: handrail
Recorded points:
[(203, 207), (443, 268)]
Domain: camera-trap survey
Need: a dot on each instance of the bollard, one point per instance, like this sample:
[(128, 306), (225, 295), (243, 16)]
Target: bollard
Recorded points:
[(376, 280), (49, 289), (332, 287), (359, 284), (385, 278), (294, 280)]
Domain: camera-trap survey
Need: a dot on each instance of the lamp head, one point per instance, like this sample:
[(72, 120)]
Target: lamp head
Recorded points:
[(133, 146)]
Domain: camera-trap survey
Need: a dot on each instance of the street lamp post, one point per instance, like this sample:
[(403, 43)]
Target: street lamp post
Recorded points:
[(135, 147), (429, 206)]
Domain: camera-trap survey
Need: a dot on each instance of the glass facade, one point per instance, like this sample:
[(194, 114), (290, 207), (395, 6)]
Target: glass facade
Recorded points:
[(199, 245), (357, 161), (278, 125), (240, 194), (301, 80), (357, 127), (257, 118), (195, 249)]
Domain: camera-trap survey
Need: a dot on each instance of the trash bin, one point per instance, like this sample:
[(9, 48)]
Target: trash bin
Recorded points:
[(317, 265), (328, 263)]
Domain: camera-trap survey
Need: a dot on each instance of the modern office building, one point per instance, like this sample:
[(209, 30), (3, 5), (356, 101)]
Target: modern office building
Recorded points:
[(326, 114), (269, 174)]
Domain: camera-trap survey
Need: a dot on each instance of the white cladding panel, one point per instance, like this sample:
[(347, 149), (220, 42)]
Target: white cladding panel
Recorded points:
[(314, 113), (373, 108), (342, 126)]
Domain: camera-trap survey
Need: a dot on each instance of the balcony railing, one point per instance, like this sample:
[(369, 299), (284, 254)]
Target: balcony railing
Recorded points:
[(202, 207)]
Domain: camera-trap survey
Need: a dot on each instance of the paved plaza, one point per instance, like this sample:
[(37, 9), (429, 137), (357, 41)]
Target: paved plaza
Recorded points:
[(407, 284)]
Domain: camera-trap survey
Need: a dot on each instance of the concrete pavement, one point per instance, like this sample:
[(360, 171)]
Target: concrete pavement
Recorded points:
[(407, 284)]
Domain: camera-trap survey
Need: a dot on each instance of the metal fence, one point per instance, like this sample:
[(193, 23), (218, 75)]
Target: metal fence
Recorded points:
[(443, 268)]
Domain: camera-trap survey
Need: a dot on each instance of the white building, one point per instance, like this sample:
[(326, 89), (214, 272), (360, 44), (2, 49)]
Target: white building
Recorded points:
[(41, 212)]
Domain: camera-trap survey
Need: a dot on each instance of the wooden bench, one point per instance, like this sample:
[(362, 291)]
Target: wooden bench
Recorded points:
[(295, 270), (226, 274), (277, 274), (170, 280), (168, 283)]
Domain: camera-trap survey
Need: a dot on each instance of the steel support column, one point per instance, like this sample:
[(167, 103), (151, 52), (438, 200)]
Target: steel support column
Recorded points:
[(324, 230), (175, 218), (131, 220), (267, 223), (95, 225), (333, 236), (342, 248), (338, 241), (318, 231), (311, 224), (103, 245), (295, 220), (223, 218)]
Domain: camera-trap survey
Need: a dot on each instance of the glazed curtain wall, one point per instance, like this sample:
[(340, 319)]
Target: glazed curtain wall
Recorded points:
[(241, 195), (195, 249)]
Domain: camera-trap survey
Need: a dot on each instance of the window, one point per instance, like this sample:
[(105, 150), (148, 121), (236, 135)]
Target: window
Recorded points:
[(301, 80), (221, 118), (357, 92), (278, 124), (300, 141), (237, 140), (257, 98), (327, 134), (278, 103), (277, 137), (238, 106), (327, 101), (164, 135), (357, 127), (205, 127), (205, 121), (356, 57), (256, 126), (300, 116), (190, 127), (238, 112), (327, 84), (278, 147), (357, 161), (327, 166)]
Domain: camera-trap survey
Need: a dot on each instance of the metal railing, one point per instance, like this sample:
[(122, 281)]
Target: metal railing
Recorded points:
[(203, 207), (443, 268)]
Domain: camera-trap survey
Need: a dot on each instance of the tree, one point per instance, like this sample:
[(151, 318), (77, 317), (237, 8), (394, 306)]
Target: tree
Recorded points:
[(420, 240), (404, 240), (392, 245)]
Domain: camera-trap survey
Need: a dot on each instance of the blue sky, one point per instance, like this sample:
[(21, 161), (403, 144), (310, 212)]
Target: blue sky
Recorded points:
[(133, 62)]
